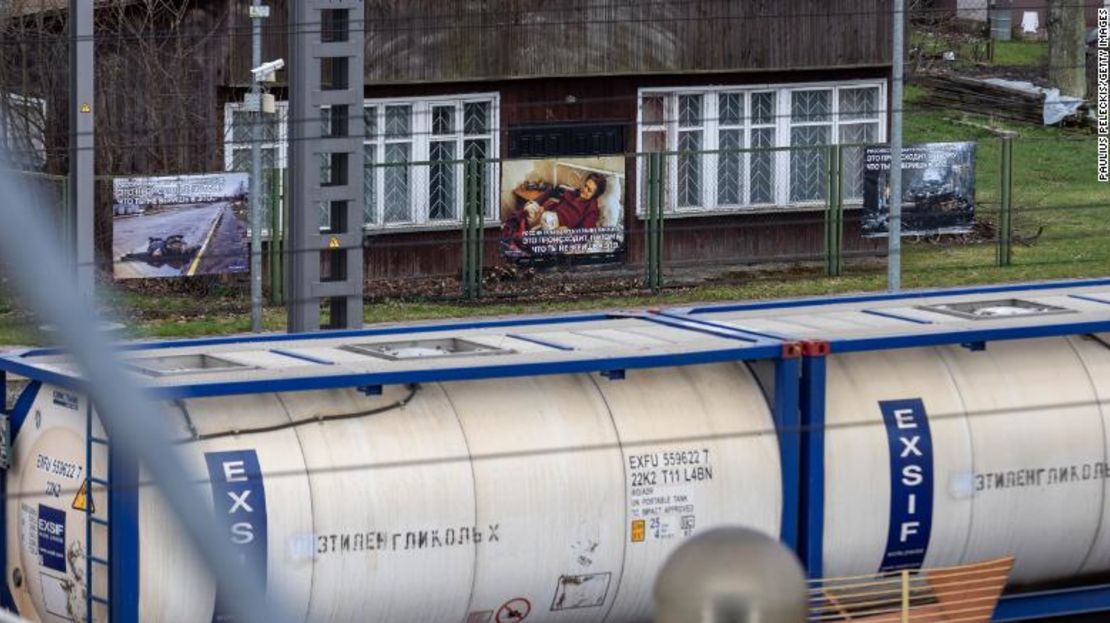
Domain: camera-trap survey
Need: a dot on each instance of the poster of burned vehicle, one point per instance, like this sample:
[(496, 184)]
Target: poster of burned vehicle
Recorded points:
[(938, 189), (567, 208), (180, 226)]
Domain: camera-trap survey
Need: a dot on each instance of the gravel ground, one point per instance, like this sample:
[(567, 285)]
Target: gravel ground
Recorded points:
[(13, 389)]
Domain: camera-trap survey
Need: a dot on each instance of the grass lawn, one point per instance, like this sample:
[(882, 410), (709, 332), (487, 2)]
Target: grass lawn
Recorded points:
[(1054, 188), (1020, 53), (975, 50)]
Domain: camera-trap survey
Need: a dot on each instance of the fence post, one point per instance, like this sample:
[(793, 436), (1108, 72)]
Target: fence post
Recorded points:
[(653, 223), (659, 223), (1005, 212), (69, 238), (277, 244), (839, 238), (834, 213), (472, 230), (480, 201), (468, 192), (649, 208)]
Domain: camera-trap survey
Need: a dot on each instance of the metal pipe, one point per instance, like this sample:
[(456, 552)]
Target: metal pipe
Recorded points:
[(256, 172), (894, 235)]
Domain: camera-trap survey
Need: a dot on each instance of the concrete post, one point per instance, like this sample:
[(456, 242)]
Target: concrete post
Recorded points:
[(326, 78), (82, 155)]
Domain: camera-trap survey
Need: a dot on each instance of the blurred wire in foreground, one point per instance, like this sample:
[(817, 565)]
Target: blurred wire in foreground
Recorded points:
[(46, 284)]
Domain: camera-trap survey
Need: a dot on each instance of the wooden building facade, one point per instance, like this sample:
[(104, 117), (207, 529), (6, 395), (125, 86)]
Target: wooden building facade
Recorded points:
[(510, 79), (576, 78)]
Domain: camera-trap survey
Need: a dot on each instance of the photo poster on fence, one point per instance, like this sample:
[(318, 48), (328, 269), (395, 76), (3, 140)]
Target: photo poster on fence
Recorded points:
[(938, 189), (562, 208), (178, 226)]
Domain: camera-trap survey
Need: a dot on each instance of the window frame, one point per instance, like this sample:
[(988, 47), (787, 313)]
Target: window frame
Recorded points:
[(24, 149), (280, 143), (419, 139), (711, 127)]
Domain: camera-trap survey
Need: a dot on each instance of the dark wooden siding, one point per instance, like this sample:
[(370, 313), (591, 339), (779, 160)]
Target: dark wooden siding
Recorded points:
[(710, 242), (436, 41), (713, 240)]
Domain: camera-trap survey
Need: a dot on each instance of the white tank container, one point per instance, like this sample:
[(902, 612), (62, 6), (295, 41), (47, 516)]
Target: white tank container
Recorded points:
[(557, 498), (1018, 453)]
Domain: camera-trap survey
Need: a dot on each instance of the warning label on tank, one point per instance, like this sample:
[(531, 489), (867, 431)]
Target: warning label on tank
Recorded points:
[(661, 492), (581, 591)]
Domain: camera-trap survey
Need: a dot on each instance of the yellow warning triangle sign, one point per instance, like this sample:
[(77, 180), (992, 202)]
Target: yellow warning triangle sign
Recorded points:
[(83, 499)]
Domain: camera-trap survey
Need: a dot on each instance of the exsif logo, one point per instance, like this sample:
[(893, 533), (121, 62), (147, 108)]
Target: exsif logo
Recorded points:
[(52, 537), (240, 505), (51, 528), (911, 483)]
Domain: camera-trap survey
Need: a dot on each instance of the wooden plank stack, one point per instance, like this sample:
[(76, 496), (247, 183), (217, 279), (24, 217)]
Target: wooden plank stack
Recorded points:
[(971, 95)]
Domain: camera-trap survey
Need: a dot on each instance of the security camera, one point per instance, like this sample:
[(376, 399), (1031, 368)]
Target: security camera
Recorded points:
[(265, 72)]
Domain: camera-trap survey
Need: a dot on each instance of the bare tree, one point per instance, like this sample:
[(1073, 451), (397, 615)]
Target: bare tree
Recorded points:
[(157, 96), (1067, 51)]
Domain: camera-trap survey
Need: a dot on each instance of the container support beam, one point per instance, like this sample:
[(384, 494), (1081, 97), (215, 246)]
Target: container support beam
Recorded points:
[(812, 399), (90, 583), (1057, 603), (123, 535)]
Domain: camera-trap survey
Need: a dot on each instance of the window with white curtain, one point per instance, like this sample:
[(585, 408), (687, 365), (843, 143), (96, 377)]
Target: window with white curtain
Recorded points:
[(717, 133)]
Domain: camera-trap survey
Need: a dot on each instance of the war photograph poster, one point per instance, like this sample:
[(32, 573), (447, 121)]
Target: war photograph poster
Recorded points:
[(180, 226), (938, 189), (562, 208)]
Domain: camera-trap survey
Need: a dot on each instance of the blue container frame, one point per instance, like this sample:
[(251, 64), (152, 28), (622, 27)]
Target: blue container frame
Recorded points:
[(798, 409), (811, 400)]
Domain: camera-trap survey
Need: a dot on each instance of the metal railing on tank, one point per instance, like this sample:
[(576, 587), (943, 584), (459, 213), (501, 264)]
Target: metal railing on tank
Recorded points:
[(961, 594)]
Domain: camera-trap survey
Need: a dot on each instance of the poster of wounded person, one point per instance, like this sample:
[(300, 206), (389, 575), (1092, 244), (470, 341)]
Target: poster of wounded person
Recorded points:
[(180, 226), (559, 208)]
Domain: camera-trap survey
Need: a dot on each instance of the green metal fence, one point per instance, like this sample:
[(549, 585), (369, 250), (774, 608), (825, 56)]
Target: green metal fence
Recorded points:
[(1039, 214), (832, 199)]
